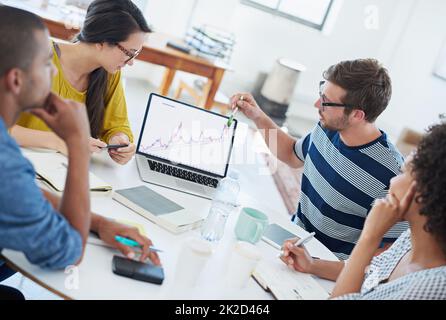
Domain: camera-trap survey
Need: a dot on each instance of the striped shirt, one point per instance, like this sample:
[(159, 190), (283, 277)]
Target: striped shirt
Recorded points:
[(340, 184), (427, 284)]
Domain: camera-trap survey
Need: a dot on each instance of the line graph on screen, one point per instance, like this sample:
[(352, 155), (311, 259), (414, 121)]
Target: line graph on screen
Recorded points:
[(181, 137)]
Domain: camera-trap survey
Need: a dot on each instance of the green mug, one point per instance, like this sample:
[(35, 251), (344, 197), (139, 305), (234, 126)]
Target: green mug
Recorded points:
[(250, 225)]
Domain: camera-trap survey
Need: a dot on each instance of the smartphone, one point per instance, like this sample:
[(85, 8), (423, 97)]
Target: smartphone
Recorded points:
[(137, 270), (276, 235), (116, 146)]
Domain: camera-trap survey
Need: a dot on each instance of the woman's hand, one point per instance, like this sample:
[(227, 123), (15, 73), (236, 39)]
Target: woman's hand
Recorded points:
[(96, 145), (386, 213), (108, 229), (297, 258), (121, 155)]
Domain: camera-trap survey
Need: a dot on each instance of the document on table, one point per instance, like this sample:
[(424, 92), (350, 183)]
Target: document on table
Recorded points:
[(287, 284), (51, 167)]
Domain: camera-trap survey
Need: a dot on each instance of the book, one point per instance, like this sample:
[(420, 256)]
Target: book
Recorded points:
[(287, 284), (158, 209), (52, 168)]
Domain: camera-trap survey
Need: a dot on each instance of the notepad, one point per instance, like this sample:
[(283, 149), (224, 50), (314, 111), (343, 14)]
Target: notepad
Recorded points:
[(138, 226), (52, 169), (287, 284), (158, 209)]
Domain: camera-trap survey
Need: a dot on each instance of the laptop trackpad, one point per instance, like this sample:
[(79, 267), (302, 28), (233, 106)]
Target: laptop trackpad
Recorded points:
[(189, 186)]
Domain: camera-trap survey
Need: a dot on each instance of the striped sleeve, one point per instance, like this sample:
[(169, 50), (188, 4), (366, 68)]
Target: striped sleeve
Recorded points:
[(301, 147)]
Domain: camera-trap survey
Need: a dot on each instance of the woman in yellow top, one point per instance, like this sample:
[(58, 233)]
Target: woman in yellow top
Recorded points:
[(89, 72)]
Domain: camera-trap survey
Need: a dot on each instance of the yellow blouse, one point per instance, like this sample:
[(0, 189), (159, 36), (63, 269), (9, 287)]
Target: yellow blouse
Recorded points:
[(115, 114)]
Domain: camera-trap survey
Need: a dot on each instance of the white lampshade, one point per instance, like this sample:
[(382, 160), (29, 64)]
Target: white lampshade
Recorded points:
[(280, 83)]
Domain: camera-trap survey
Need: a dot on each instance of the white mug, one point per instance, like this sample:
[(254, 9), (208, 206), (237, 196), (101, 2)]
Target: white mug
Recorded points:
[(242, 262), (191, 260)]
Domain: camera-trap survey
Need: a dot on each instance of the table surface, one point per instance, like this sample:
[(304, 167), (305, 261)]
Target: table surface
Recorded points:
[(95, 279)]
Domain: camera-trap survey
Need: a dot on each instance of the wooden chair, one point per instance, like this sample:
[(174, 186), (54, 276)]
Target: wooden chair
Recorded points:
[(408, 141), (199, 91)]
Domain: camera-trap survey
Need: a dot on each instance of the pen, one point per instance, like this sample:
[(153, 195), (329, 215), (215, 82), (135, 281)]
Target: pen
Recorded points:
[(234, 112), (305, 240), (302, 241), (133, 243)]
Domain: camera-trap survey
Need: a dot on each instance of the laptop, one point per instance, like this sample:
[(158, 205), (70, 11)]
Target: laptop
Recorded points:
[(184, 147)]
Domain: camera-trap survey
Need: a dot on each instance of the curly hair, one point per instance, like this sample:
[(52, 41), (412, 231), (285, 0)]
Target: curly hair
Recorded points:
[(429, 169)]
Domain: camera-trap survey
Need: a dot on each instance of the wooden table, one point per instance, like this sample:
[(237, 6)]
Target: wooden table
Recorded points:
[(154, 51)]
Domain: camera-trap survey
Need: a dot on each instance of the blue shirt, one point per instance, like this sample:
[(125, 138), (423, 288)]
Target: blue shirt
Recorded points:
[(340, 184), (28, 222)]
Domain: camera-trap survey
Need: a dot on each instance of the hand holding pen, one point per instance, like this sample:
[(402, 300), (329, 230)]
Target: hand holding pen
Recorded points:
[(296, 257), (299, 242), (108, 230), (246, 103), (134, 244), (234, 112), (143, 250)]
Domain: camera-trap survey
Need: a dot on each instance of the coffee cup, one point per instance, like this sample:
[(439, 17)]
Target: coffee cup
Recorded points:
[(242, 262), (251, 225), (191, 261)]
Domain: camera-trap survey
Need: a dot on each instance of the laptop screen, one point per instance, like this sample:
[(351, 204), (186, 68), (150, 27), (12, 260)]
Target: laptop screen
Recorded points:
[(186, 135)]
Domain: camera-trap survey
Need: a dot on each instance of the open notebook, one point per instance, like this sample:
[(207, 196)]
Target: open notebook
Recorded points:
[(51, 168), (286, 284)]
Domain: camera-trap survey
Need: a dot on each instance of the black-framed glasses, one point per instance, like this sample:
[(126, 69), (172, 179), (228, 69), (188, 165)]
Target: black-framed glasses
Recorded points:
[(128, 53), (325, 103)]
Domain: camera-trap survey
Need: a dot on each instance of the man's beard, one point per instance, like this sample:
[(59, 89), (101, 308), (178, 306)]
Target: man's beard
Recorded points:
[(336, 125)]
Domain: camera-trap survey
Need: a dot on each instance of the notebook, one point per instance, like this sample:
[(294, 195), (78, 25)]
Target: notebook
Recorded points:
[(158, 209), (52, 168), (287, 284)]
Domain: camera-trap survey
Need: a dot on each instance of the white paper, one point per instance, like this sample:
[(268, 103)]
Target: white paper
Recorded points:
[(287, 284)]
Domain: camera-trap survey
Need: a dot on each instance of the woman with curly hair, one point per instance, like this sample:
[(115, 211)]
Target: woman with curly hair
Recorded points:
[(415, 266)]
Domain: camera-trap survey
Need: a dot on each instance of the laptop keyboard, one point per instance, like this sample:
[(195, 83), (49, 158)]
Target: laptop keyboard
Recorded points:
[(182, 174)]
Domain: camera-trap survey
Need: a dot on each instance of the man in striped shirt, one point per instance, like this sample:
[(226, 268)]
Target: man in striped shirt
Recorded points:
[(348, 162)]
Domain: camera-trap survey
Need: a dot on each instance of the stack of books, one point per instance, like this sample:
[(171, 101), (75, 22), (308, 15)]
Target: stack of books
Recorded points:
[(211, 43)]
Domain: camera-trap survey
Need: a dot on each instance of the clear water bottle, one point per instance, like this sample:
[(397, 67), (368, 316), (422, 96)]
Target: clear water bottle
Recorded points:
[(224, 202)]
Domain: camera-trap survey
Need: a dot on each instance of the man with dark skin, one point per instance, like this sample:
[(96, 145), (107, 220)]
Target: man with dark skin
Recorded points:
[(51, 231)]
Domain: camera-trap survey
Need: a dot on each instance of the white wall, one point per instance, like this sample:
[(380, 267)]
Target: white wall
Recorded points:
[(407, 41), (418, 95)]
